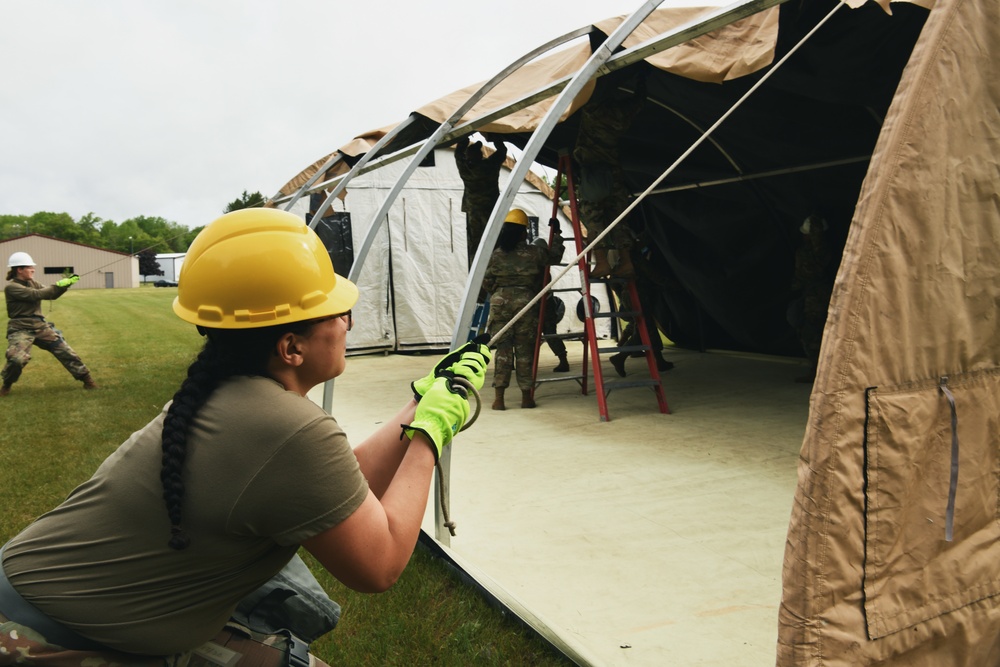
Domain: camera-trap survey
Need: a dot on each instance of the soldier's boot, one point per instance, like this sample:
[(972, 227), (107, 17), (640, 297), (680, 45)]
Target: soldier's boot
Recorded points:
[(88, 382), (526, 400), (661, 363), (563, 366), (624, 268), (602, 269), (618, 361), (5, 389), (498, 401)]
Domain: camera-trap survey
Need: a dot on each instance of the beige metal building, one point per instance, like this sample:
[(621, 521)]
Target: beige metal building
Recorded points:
[(97, 268)]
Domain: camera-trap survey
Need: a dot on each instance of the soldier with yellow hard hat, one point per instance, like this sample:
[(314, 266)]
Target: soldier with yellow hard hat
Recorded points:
[(148, 561), (513, 277)]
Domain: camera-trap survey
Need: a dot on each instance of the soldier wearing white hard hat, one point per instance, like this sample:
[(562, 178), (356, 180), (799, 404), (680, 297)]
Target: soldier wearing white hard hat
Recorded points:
[(26, 327)]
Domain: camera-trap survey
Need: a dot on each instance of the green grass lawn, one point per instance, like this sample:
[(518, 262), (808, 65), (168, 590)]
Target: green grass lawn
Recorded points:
[(53, 435)]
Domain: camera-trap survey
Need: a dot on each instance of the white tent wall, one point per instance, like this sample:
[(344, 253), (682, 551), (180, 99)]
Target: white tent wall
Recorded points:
[(373, 317), (414, 277)]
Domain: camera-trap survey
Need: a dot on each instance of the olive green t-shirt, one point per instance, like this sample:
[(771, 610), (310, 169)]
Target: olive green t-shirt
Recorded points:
[(265, 470)]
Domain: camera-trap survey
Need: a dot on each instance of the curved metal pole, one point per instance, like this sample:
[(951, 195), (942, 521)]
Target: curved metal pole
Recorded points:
[(531, 150), (528, 155), (668, 171), (330, 161), (432, 141), (358, 166), (600, 63)]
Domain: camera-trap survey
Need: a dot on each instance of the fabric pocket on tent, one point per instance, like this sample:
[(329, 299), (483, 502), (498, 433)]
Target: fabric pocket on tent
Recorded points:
[(912, 572)]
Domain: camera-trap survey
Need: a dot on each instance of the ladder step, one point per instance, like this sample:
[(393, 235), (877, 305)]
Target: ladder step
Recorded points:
[(616, 314), (578, 378), (623, 384), (577, 335), (611, 280), (624, 348), (626, 292)]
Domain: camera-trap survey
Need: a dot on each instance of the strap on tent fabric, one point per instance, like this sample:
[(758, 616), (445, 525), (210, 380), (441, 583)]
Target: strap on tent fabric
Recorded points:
[(949, 520)]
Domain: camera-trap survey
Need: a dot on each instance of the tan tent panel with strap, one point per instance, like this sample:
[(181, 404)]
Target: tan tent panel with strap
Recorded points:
[(909, 386)]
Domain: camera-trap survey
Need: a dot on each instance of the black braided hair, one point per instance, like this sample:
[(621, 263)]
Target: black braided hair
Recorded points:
[(227, 353)]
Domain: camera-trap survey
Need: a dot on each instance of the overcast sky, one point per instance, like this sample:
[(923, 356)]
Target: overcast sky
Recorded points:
[(173, 108)]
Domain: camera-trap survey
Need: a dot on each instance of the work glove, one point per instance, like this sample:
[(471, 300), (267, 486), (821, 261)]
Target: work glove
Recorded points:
[(468, 361), (66, 282), (554, 224), (441, 414)]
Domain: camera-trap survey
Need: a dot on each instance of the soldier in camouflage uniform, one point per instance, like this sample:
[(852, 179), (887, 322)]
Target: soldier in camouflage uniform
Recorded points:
[(601, 189), (21, 645), (513, 277), (27, 327), (480, 176)]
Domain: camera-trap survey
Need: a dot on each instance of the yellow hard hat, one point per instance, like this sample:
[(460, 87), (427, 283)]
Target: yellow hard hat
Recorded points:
[(517, 216), (257, 267)]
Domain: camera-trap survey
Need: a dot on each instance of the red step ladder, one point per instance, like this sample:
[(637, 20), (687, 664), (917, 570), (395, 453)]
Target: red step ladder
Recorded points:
[(588, 337)]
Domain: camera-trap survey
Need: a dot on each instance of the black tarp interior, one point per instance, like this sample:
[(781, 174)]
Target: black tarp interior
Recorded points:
[(724, 253)]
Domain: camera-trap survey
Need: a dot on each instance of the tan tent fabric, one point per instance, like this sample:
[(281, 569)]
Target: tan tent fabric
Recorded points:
[(733, 51), (869, 577), (736, 50), (303, 176), (358, 146), (533, 76), (730, 52)]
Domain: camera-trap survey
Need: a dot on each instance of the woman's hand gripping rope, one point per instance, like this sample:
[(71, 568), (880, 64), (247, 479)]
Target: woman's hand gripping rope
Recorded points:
[(443, 402)]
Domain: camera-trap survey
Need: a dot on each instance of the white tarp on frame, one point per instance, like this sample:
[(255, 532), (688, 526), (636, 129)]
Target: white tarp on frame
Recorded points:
[(414, 277)]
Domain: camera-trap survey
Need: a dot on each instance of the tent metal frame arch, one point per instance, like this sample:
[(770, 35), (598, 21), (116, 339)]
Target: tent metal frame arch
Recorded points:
[(336, 157), (478, 268), (358, 166), (429, 144), (679, 35), (596, 65), (438, 137), (603, 61)]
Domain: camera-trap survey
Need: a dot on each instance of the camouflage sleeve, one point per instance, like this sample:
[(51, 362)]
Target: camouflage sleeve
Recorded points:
[(461, 160), (556, 249), (499, 155), (489, 278)]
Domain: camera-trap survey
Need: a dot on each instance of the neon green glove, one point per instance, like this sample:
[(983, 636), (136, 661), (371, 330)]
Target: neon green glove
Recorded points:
[(441, 414), (468, 361), (66, 282)]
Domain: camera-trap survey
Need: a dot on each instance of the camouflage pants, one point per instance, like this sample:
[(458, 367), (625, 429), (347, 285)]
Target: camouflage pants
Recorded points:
[(20, 645), (19, 342), (516, 348), (475, 227), (596, 215)]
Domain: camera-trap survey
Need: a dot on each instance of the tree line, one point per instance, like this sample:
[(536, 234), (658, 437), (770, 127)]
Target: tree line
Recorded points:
[(149, 235)]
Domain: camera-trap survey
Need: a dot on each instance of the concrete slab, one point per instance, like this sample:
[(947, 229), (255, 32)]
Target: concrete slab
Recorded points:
[(649, 539)]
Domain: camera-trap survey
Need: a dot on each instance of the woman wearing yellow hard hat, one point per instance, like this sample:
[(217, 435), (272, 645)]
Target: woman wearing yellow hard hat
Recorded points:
[(147, 562)]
